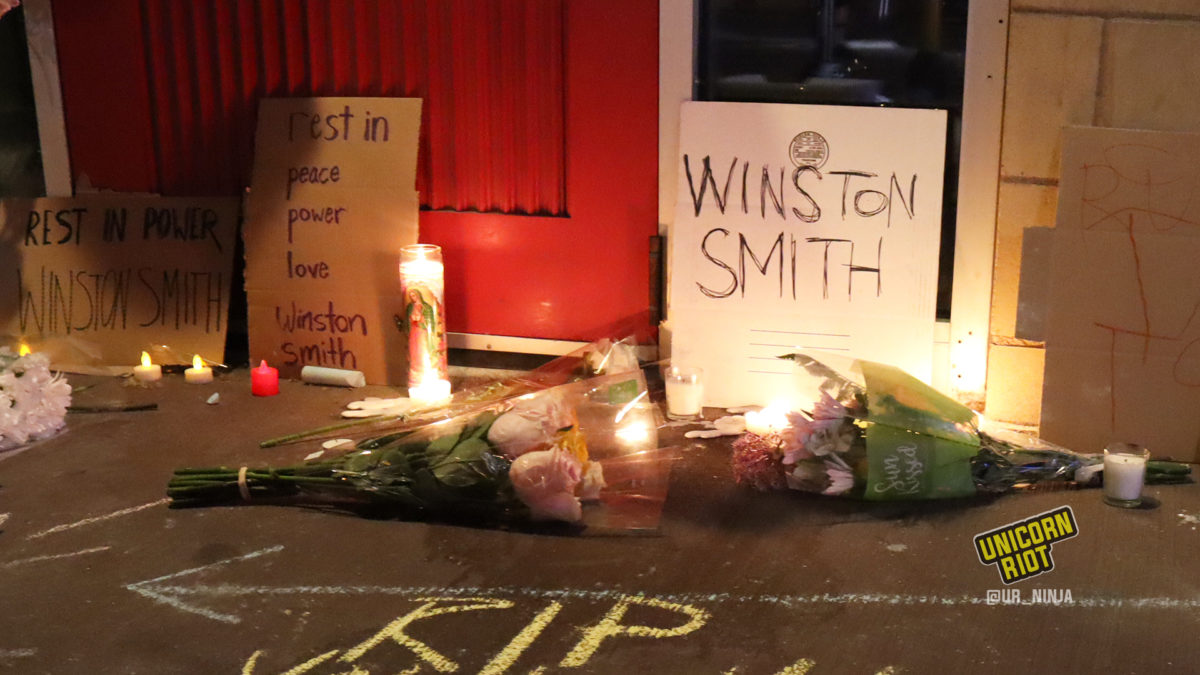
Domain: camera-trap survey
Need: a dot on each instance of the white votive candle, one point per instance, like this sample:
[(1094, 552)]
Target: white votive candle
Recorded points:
[(1124, 474), (147, 372), (685, 391), (198, 373)]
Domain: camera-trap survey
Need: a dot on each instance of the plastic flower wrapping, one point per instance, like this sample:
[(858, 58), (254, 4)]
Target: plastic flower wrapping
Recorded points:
[(872, 431), (584, 453), (33, 401), (377, 414)]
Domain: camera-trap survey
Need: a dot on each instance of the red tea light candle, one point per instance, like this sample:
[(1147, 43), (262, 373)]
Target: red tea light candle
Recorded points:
[(24, 350), (198, 373), (147, 372), (264, 380)]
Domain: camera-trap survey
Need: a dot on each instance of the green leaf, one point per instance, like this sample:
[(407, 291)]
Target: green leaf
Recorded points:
[(442, 445), (458, 469), (361, 461), (482, 425)]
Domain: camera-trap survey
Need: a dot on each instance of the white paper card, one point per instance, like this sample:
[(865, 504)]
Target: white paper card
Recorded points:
[(801, 226)]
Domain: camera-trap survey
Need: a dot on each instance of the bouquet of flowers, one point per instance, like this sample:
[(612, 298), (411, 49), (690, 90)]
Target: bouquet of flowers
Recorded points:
[(874, 432), (547, 455), (33, 401)]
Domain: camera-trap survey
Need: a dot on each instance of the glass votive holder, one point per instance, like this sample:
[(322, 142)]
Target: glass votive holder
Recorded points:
[(685, 391), (1124, 474)]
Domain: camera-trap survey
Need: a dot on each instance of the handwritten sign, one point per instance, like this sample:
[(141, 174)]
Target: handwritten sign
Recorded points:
[(1123, 331), (332, 202), (96, 279), (811, 227)]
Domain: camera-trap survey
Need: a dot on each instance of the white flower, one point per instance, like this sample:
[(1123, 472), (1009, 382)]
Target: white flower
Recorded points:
[(829, 437), (806, 476), (530, 425), (593, 482), (33, 401)]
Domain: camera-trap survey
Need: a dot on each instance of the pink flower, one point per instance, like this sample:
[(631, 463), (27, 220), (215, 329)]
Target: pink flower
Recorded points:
[(828, 408), (841, 476), (795, 438), (545, 481)]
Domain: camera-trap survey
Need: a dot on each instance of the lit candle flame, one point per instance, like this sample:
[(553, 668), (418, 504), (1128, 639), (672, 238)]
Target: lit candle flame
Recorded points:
[(197, 362), (145, 360), (24, 350), (771, 419)]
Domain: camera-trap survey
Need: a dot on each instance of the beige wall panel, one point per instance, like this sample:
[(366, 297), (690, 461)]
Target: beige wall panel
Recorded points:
[(1020, 207), (1140, 8), (1053, 67), (1014, 389), (1151, 69)]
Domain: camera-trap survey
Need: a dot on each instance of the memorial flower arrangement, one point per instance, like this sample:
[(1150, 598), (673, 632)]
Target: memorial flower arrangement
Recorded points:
[(551, 455), (872, 431), (33, 401)]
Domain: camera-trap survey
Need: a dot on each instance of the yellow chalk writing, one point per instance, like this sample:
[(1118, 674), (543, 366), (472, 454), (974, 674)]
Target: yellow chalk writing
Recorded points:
[(509, 655), (800, 667), (610, 626), (432, 607), (308, 665), (248, 669)]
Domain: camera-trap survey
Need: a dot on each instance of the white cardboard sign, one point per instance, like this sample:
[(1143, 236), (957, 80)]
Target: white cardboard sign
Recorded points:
[(803, 227)]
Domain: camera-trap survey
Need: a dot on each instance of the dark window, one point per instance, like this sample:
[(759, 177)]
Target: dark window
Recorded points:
[(895, 53), (20, 153)]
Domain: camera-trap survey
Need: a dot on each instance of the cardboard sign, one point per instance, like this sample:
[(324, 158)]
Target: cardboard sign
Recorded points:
[(332, 201), (1123, 328), (95, 280), (803, 227)]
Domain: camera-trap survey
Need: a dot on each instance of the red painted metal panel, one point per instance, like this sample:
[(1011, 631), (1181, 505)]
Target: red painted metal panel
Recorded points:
[(584, 276), (192, 73), (536, 109)]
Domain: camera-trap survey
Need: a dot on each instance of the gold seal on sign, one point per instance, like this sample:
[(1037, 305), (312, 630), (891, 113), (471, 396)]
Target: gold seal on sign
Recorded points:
[(809, 148)]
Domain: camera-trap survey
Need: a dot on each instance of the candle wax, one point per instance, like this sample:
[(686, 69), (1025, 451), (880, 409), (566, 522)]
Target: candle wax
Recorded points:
[(684, 397), (1123, 476)]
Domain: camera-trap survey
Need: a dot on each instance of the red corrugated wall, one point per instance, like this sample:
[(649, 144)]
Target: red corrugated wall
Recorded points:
[(491, 74), (533, 108)]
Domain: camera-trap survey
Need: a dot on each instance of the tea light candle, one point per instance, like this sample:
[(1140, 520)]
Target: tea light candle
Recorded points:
[(264, 380), (770, 420), (198, 373), (147, 372), (431, 392)]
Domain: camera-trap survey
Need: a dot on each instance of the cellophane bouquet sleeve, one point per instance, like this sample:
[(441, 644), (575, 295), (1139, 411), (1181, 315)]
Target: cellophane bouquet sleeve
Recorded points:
[(585, 452)]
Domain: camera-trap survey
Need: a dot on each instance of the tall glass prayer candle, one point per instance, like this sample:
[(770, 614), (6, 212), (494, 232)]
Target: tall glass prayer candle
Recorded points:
[(422, 285)]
